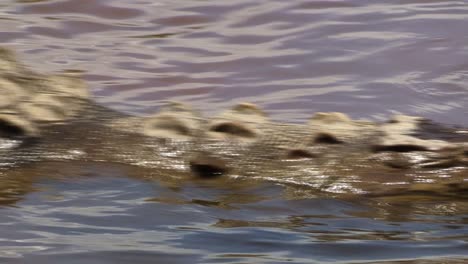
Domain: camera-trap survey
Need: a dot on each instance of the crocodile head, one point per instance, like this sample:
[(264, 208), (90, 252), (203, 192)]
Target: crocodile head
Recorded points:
[(330, 152)]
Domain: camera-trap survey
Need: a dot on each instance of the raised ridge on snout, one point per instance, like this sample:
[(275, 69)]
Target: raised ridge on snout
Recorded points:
[(399, 135), (242, 122), (174, 121), (167, 126), (335, 128)]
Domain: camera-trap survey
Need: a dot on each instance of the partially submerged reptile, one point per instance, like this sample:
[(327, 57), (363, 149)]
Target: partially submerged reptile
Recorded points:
[(53, 118)]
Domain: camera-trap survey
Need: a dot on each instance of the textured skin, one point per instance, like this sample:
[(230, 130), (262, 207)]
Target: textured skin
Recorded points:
[(52, 118)]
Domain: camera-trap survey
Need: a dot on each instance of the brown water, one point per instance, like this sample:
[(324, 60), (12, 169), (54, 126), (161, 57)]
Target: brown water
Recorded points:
[(366, 58)]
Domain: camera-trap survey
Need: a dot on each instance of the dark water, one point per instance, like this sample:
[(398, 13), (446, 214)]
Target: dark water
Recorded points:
[(366, 58)]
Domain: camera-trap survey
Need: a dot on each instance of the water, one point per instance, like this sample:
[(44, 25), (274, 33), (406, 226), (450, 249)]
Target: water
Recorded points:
[(366, 58)]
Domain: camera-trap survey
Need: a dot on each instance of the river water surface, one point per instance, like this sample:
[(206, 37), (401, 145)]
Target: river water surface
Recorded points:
[(369, 59)]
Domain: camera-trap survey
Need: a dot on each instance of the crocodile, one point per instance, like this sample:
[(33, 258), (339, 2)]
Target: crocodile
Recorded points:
[(53, 118)]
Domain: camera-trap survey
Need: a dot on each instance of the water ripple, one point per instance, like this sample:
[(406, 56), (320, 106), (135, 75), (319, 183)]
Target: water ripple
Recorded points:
[(366, 58), (215, 54)]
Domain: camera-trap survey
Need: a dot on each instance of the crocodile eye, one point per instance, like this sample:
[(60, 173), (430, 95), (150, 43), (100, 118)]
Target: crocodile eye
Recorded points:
[(324, 138), (233, 129)]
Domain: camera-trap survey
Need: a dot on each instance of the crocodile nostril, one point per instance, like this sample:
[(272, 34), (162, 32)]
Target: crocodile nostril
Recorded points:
[(324, 138), (14, 126), (10, 130), (208, 167), (300, 154)]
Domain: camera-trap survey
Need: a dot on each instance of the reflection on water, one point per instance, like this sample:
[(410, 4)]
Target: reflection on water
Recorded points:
[(88, 211), (293, 58)]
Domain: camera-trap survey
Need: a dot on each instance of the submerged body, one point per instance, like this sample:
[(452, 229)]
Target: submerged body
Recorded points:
[(52, 118)]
